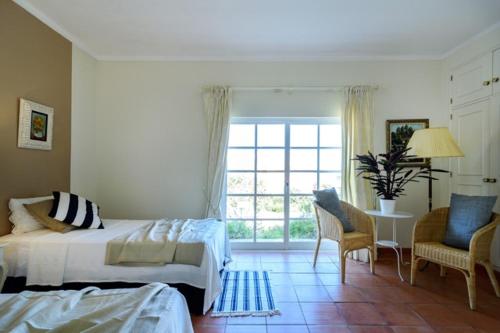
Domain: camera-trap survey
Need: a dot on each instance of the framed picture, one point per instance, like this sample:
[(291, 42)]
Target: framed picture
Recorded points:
[(35, 125), (399, 132)]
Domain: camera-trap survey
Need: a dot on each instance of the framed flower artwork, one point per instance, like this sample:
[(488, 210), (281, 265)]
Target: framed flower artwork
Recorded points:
[(35, 125)]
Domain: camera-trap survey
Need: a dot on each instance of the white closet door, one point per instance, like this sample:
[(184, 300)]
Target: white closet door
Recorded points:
[(494, 145), (470, 127), (477, 130), (471, 81), (495, 80), (494, 187)]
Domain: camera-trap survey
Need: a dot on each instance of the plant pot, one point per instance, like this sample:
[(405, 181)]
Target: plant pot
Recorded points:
[(387, 206)]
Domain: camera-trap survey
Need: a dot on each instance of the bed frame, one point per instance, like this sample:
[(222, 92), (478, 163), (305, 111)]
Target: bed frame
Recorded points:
[(194, 296)]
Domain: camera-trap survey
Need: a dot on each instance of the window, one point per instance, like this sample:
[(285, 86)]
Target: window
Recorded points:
[(272, 168)]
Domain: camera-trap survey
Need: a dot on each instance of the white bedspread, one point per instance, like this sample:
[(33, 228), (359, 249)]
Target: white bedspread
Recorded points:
[(151, 308), (50, 258), (163, 242)]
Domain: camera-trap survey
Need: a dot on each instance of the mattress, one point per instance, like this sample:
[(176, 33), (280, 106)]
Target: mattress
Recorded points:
[(46, 257), (167, 312)]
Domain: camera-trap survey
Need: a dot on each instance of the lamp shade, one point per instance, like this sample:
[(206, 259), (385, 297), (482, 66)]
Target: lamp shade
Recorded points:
[(434, 142)]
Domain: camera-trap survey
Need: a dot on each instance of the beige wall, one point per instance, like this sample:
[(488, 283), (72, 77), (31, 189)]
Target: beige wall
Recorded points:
[(83, 125), (151, 131), (35, 63)]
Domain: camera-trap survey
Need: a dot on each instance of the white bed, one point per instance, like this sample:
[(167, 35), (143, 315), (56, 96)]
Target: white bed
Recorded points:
[(152, 308), (46, 257)]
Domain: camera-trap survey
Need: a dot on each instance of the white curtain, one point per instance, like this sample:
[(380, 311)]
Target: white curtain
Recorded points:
[(217, 102), (357, 138), (217, 105)]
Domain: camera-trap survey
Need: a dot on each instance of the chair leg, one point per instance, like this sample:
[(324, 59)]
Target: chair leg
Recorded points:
[(471, 287), (493, 278), (372, 259), (442, 271), (342, 265), (316, 252), (414, 264)]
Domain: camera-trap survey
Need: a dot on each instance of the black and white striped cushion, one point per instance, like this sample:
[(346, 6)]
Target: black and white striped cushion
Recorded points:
[(76, 211)]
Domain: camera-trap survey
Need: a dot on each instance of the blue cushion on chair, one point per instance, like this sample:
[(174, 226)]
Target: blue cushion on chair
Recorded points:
[(329, 201), (467, 214)]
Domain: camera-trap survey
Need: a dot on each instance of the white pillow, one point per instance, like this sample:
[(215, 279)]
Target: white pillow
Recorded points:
[(21, 218)]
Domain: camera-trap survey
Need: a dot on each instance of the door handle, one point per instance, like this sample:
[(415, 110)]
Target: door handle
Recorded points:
[(495, 79), (489, 180), (486, 83)]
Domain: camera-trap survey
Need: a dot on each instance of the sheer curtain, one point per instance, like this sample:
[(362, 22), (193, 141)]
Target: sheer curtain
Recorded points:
[(357, 138), (217, 104)]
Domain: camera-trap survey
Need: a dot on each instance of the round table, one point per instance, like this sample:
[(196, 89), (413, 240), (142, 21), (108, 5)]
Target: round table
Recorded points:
[(391, 243)]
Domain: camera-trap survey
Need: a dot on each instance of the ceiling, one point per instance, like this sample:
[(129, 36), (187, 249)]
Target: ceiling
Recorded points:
[(266, 29)]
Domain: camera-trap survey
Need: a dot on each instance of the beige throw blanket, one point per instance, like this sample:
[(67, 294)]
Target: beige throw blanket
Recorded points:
[(162, 242), (93, 310)]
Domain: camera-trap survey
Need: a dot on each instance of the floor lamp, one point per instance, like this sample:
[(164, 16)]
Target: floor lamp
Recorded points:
[(432, 143)]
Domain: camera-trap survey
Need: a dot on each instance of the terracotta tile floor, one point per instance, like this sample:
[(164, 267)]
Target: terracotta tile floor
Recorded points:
[(314, 300)]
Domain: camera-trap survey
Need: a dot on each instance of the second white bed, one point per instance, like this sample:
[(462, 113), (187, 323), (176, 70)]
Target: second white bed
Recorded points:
[(46, 257), (152, 308)]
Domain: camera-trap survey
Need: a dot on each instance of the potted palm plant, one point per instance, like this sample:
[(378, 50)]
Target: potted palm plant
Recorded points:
[(388, 177)]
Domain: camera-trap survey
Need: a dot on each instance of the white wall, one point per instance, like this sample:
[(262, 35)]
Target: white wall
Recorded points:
[(83, 125), (287, 102), (151, 131), (477, 46)]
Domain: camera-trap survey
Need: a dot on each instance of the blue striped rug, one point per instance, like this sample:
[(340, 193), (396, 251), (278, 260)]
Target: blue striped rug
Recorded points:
[(245, 293)]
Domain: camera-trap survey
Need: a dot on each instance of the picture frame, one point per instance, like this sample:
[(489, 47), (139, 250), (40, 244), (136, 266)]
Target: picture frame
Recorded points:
[(35, 125), (399, 132)]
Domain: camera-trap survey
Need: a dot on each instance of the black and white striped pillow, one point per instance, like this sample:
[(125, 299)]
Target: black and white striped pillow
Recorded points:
[(76, 211)]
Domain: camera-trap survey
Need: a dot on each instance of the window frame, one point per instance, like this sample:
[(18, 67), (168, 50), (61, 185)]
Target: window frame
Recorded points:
[(287, 242)]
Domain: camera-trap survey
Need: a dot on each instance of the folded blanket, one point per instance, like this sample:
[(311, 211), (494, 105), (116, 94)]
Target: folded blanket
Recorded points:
[(162, 242), (92, 310)]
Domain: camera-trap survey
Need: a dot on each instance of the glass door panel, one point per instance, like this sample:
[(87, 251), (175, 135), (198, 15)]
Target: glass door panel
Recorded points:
[(303, 135), (303, 159), (272, 169), (270, 231), (271, 135), (240, 230), (303, 182), (272, 159), (271, 183), (240, 182)]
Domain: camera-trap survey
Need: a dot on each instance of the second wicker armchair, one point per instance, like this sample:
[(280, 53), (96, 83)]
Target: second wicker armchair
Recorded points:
[(330, 227), (428, 235)]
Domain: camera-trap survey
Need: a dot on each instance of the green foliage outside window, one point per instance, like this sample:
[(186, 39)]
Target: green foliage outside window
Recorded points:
[(303, 227), (299, 229), (239, 230)]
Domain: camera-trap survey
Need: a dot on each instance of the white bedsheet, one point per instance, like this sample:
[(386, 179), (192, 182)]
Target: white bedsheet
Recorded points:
[(5, 297), (152, 308), (46, 257)]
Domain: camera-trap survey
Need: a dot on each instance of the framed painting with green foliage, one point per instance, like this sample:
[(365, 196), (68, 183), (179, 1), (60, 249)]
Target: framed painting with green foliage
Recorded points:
[(399, 132)]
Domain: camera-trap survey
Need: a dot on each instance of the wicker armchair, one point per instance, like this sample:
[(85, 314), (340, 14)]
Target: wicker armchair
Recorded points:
[(330, 227), (428, 234)]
